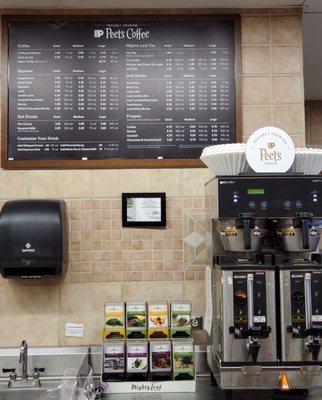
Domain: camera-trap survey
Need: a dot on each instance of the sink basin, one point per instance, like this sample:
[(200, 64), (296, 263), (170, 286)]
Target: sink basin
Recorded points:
[(47, 388), (22, 394)]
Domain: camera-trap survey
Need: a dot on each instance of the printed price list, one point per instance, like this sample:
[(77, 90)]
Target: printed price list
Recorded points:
[(131, 90)]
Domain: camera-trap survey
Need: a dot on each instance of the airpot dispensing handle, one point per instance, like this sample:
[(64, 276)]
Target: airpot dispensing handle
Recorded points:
[(247, 240), (246, 222), (303, 221), (305, 234)]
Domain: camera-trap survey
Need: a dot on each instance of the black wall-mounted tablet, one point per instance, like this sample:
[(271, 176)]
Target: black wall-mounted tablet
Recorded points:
[(143, 209)]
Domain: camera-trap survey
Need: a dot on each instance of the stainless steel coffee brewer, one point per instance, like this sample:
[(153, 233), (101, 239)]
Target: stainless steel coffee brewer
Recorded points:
[(266, 281)]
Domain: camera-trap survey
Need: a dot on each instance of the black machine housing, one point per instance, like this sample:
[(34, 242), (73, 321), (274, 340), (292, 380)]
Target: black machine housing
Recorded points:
[(287, 196), (33, 238)]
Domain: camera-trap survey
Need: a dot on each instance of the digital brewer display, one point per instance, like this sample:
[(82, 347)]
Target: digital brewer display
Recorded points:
[(255, 191), (269, 196)]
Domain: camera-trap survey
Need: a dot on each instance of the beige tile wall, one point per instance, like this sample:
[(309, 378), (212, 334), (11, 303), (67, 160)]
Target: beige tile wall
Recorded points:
[(102, 251), (39, 313), (272, 93), (272, 73)]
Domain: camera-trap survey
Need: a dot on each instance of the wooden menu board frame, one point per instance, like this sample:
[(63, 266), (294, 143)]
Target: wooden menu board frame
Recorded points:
[(114, 163)]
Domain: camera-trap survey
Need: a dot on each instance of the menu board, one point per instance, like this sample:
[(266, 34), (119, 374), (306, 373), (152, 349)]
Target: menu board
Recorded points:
[(142, 89)]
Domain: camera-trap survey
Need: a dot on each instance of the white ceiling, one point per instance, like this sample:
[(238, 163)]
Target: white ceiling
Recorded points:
[(148, 3), (312, 49)]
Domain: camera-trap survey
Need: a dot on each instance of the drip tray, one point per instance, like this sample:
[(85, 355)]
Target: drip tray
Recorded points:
[(315, 263), (263, 262)]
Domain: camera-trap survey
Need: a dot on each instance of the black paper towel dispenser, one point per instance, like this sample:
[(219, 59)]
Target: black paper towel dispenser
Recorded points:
[(33, 238)]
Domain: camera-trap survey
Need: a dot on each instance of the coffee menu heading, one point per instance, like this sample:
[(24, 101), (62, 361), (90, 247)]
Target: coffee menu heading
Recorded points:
[(104, 90)]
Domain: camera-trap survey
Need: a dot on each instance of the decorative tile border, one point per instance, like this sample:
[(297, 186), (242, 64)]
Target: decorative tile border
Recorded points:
[(194, 238)]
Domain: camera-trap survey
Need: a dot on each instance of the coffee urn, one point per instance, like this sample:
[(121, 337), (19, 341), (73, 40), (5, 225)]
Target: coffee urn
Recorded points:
[(266, 284)]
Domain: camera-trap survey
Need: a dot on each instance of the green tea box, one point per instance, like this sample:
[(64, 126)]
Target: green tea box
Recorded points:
[(114, 321), (181, 319), (183, 359), (136, 320)]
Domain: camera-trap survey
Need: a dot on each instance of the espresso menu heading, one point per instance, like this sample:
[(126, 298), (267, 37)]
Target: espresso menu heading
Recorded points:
[(127, 90)]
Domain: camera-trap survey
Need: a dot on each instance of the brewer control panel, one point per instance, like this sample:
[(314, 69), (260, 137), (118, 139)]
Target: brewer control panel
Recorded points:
[(270, 196)]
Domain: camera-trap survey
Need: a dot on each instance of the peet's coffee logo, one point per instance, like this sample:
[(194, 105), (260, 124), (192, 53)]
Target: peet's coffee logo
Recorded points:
[(270, 153), (270, 149), (130, 33)]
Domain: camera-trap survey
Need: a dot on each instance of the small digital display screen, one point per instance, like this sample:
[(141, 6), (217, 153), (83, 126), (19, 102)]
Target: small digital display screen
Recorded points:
[(255, 191), (143, 209)]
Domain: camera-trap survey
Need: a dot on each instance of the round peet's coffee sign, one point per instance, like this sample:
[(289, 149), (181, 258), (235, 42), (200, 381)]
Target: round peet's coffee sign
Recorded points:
[(270, 149)]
